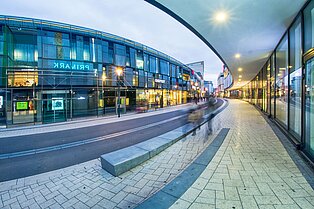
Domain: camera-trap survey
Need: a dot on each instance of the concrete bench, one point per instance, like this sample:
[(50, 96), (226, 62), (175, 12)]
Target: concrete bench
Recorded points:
[(123, 160)]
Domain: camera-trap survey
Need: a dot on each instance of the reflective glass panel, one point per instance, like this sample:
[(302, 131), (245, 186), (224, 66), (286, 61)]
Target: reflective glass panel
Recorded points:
[(295, 78), (282, 81), (309, 26), (309, 107)]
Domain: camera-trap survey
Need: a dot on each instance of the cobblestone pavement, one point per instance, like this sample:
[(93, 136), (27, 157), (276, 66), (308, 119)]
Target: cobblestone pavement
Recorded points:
[(87, 185), (250, 170)]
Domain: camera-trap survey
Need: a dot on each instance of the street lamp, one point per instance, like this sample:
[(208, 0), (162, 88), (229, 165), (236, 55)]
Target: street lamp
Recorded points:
[(119, 72)]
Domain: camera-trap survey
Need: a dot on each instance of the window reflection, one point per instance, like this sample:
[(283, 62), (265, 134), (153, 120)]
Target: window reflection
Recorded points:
[(282, 81), (295, 78)]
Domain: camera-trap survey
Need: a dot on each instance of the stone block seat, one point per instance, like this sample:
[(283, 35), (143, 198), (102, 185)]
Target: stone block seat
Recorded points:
[(121, 161)]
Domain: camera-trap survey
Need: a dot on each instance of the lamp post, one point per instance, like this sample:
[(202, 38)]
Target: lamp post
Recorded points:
[(119, 72)]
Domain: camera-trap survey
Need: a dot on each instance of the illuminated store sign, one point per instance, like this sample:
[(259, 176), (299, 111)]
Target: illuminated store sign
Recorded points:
[(71, 66), (159, 80)]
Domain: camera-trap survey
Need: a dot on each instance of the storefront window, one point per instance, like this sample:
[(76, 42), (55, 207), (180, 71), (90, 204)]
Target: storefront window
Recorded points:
[(282, 81), (135, 78), (84, 102), (139, 60), (132, 57), (264, 86), (309, 27), (272, 85), (56, 45), (22, 78), (1, 41), (309, 107), (146, 62), (105, 52), (141, 78), (119, 55), (268, 86), (150, 80), (295, 78), (152, 64), (164, 67)]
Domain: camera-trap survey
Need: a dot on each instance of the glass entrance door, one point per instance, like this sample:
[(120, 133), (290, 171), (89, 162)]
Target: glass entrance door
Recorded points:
[(309, 107), (54, 107)]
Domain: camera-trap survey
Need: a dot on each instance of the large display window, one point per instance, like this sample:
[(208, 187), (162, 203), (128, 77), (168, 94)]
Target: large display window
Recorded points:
[(282, 81), (295, 82), (309, 107)]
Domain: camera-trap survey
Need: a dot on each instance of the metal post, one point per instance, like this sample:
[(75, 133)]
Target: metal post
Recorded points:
[(119, 97)]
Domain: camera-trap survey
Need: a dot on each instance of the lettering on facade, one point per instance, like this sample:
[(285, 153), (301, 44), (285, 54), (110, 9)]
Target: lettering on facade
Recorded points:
[(159, 80), (73, 66)]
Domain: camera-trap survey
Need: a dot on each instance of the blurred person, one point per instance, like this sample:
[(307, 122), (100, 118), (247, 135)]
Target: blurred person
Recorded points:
[(195, 117), (211, 106)]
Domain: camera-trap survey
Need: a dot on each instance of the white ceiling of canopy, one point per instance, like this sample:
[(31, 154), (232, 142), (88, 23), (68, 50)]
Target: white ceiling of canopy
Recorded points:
[(253, 28)]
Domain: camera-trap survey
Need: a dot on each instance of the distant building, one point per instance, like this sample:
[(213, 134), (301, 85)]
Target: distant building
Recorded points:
[(220, 85), (209, 87), (198, 72), (198, 67)]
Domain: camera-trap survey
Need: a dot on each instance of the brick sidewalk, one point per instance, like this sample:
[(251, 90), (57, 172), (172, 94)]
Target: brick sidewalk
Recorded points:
[(87, 185), (251, 169)]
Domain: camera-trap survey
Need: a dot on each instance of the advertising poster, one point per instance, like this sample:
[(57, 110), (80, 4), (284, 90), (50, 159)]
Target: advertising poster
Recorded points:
[(21, 105), (57, 104)]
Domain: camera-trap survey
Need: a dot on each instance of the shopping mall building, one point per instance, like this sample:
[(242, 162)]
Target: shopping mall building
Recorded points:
[(53, 72)]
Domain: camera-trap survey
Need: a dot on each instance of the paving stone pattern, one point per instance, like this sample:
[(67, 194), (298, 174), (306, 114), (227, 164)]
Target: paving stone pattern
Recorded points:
[(251, 169), (87, 185)]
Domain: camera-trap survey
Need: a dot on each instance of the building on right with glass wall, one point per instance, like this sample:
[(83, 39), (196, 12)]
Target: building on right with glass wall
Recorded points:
[(284, 87)]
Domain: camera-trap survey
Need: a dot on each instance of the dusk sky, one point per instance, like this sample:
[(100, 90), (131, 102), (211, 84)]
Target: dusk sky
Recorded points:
[(133, 19)]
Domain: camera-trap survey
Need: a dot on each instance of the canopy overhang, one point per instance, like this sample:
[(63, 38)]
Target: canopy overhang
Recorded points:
[(252, 29)]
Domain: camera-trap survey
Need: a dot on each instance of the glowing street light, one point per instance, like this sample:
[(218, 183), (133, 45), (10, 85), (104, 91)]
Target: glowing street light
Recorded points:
[(237, 55), (119, 71), (220, 16)]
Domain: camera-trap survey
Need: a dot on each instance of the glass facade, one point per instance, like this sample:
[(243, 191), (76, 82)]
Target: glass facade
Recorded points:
[(309, 79), (309, 26), (52, 72), (282, 81), (309, 107), (289, 77), (295, 93)]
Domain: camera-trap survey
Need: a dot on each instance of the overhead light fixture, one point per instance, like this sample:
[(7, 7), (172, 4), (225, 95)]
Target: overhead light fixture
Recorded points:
[(240, 76), (240, 69), (221, 16), (237, 55)]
